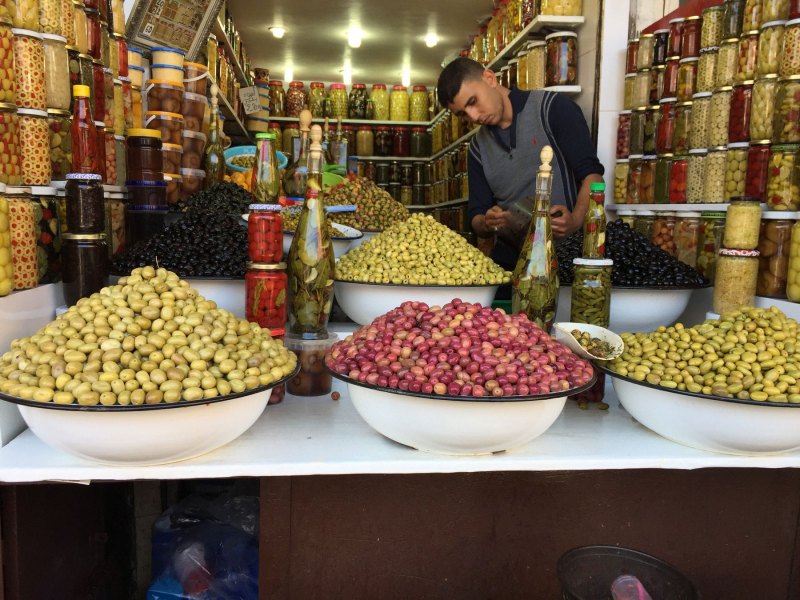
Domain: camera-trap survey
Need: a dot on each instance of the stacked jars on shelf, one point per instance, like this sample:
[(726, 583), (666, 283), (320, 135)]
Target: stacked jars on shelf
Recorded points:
[(266, 283)]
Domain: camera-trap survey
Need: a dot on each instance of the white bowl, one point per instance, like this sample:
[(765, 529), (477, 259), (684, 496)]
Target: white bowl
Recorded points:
[(364, 302), (455, 425), (147, 434), (227, 293), (365, 237), (725, 425), (636, 310), (351, 238)]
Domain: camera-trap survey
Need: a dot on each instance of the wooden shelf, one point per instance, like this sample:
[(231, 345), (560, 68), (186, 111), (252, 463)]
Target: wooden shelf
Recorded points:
[(393, 158), (538, 24), (449, 203), (716, 206), (564, 89), (238, 128), (366, 121), (223, 41), (454, 145)]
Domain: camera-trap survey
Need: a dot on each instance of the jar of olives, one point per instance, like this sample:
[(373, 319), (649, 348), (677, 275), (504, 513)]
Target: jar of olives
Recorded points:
[(719, 116), (757, 168), (714, 185), (651, 118), (711, 29), (752, 15), (774, 242), (695, 175), (380, 102), (706, 69), (59, 122), (762, 108), (22, 228), (742, 223), (736, 170), (621, 181), (537, 65), (770, 44), (712, 226), (727, 63), (86, 265), (591, 291), (29, 69), (774, 10), (735, 279), (277, 99), (783, 180), (399, 103), (418, 104), (786, 124), (793, 278), (634, 178), (358, 101), (627, 216), (660, 49), (698, 122)]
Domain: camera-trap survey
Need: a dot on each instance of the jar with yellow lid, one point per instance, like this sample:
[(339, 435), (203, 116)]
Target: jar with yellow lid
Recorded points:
[(735, 280), (774, 243), (786, 124)]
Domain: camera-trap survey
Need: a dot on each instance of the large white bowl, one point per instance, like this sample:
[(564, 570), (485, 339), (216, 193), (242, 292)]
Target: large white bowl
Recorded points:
[(711, 423), (351, 238), (364, 302), (635, 309), (455, 425), (227, 293), (366, 236), (144, 435)]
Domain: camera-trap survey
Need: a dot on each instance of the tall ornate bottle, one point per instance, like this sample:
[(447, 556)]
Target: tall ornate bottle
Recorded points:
[(295, 176), (535, 279), (311, 259), (266, 184), (214, 158)]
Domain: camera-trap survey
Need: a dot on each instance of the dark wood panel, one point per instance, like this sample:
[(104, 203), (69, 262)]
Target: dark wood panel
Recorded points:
[(499, 535)]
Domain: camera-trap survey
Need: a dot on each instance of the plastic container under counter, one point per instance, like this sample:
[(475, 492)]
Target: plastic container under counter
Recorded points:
[(314, 379)]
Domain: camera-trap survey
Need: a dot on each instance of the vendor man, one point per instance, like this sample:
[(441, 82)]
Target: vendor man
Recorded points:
[(504, 154)]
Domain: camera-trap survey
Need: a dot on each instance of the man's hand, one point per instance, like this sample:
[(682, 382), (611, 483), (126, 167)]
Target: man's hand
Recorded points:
[(562, 221), (496, 218)]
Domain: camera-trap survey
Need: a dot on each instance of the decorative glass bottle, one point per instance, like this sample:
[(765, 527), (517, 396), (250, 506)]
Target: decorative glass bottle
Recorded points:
[(83, 132), (594, 223), (266, 179), (295, 175), (214, 158)]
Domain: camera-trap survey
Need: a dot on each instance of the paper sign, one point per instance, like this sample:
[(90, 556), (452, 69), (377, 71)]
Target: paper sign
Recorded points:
[(250, 99)]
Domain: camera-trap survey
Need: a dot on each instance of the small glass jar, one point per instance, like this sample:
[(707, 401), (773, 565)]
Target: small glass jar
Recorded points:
[(420, 142), (662, 178), (711, 29), (706, 69), (316, 99), (10, 169), (739, 115), (85, 265), (85, 204), (647, 180), (657, 84), (357, 101), (383, 141), (631, 56), (789, 63), (265, 233), (695, 175), (690, 37), (774, 10), (365, 141), (266, 289), (713, 224), (59, 122), (109, 154), (401, 141), (770, 44), (289, 133), (68, 21), (757, 169), (774, 243), (34, 140), (621, 181), (380, 102), (732, 18), (727, 63), (664, 232), (678, 179), (641, 88), (687, 238), (634, 178), (783, 180), (537, 65), (644, 223), (81, 27), (665, 128), (670, 88), (683, 119), (687, 78), (94, 34), (736, 170), (794, 9), (735, 280), (651, 118), (277, 98), (644, 54), (628, 91), (562, 58), (714, 185), (29, 70), (793, 278), (748, 56), (719, 116), (762, 108), (786, 123), (675, 37), (419, 106), (522, 70), (120, 153), (23, 232), (115, 224), (7, 267), (698, 123), (752, 15), (591, 291), (742, 223), (637, 131), (399, 104), (624, 134), (296, 99)]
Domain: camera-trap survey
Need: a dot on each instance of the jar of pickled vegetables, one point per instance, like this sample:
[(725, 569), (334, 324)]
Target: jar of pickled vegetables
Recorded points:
[(712, 226), (662, 175), (121, 155), (647, 180), (23, 231), (748, 56), (675, 37), (591, 291), (50, 17), (706, 69), (683, 118), (665, 128), (714, 185), (567, 8), (695, 175), (29, 69), (67, 26), (774, 243), (711, 29), (289, 133), (365, 141), (10, 170), (794, 9), (420, 142), (698, 123), (687, 77), (522, 70), (644, 223), (657, 83), (793, 277), (786, 124), (628, 91), (401, 141), (81, 27), (651, 119), (739, 115), (742, 223), (357, 106), (687, 238), (752, 15), (266, 289), (690, 37), (34, 147), (637, 131), (624, 134), (316, 99), (383, 141), (727, 63), (762, 108), (277, 99), (678, 179), (774, 10), (736, 170), (399, 104), (59, 122), (735, 280), (631, 56), (783, 180), (537, 65), (664, 232), (732, 18), (621, 181), (757, 169), (94, 34), (789, 60), (296, 99), (380, 102), (562, 58), (670, 85), (634, 178), (770, 43), (719, 115), (641, 88), (645, 51)]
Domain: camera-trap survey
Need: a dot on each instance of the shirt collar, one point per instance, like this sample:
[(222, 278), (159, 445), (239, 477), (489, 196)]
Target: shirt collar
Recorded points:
[(518, 98)]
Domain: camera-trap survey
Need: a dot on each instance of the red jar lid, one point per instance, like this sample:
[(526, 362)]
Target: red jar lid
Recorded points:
[(317, 84), (382, 128), (420, 88), (359, 86), (348, 127), (378, 86), (337, 86), (399, 88), (274, 125), (296, 84), (418, 129), (275, 82), (364, 128)]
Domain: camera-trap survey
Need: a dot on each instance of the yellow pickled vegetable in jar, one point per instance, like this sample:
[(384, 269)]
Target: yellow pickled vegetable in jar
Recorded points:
[(735, 279), (399, 104), (742, 224), (419, 104), (6, 266)]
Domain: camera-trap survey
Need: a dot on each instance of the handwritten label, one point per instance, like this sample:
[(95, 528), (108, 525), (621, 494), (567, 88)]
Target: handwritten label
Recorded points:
[(250, 100)]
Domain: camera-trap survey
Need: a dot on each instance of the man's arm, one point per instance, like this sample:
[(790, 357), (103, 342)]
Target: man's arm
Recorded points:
[(480, 194), (568, 222)]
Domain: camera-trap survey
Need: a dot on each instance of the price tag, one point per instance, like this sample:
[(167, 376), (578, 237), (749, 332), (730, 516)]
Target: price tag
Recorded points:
[(250, 100)]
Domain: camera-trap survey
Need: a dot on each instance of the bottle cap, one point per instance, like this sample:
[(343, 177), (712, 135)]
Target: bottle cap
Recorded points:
[(81, 91), (597, 187)]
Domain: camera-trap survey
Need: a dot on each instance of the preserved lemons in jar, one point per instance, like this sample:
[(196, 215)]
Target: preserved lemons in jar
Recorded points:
[(399, 104), (742, 223), (735, 279)]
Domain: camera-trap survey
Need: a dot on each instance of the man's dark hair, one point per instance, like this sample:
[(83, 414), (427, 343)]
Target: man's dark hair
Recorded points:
[(453, 75)]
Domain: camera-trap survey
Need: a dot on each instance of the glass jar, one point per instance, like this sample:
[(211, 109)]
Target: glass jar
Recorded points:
[(383, 141), (399, 104), (657, 84), (794, 9), (621, 181), (275, 129), (637, 131), (34, 140), (645, 51), (786, 124), (770, 45), (748, 56), (145, 157), (739, 115), (24, 15), (683, 118), (735, 280), (537, 65), (624, 134), (641, 88), (644, 223), (296, 99), (316, 99), (562, 58), (757, 168), (59, 122), (10, 169), (695, 175), (783, 180), (678, 179), (265, 233), (793, 278), (763, 107), (752, 15), (706, 69), (289, 133), (50, 17), (664, 232), (115, 224), (84, 204), (718, 116), (86, 72), (690, 37), (713, 224), (266, 289), (93, 34), (100, 148), (711, 29), (662, 175), (7, 266), (647, 180), (732, 18), (687, 77), (567, 8), (675, 37), (665, 127), (418, 104), (380, 102), (277, 99), (23, 230), (789, 63), (110, 148), (651, 119), (687, 238), (86, 265), (670, 86), (29, 70), (714, 185), (118, 110), (634, 179), (736, 170), (120, 153), (67, 26), (774, 243), (131, 103), (774, 10), (401, 141), (365, 141), (420, 142), (698, 123), (727, 63), (628, 91), (357, 101), (742, 223), (591, 291), (522, 70)]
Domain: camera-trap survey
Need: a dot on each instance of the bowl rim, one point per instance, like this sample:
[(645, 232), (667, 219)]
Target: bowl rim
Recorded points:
[(655, 288), (336, 237), (493, 399), (145, 407), (615, 375), (420, 285)]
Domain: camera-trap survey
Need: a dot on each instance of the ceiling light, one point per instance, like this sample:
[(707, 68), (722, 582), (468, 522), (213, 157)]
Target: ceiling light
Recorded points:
[(288, 74), (354, 36), (277, 32), (405, 77), (431, 40)]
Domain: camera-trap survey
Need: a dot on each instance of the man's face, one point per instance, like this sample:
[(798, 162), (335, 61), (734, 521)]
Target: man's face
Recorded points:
[(479, 100)]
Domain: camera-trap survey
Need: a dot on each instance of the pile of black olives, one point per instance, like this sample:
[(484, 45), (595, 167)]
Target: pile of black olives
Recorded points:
[(223, 197), (200, 244), (637, 262)]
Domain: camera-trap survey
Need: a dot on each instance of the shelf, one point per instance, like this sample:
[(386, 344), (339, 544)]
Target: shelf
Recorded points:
[(393, 158), (718, 206), (540, 22), (455, 144), (366, 121), (223, 40), (449, 203), (231, 116), (564, 89)]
